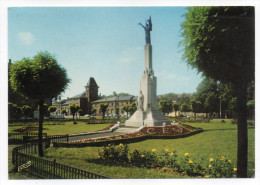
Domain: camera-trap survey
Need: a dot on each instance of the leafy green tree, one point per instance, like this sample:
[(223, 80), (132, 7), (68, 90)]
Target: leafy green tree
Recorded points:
[(27, 111), (132, 108), (117, 111), (45, 108), (165, 106), (103, 108), (64, 112), (52, 109), (185, 108), (212, 103), (232, 106), (196, 107), (73, 109), (80, 111), (39, 78), (185, 98), (126, 109), (220, 43), (93, 111), (14, 111), (175, 107), (251, 108)]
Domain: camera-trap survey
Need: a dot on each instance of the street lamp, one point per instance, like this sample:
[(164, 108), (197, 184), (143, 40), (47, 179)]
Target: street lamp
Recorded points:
[(220, 106)]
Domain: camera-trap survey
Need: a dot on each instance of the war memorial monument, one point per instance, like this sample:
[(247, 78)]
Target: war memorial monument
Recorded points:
[(147, 113)]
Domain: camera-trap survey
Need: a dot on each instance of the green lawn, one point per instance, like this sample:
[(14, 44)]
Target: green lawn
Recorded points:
[(218, 139), (67, 128)]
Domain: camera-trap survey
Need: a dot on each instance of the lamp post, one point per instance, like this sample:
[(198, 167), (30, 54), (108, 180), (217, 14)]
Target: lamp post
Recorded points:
[(220, 106)]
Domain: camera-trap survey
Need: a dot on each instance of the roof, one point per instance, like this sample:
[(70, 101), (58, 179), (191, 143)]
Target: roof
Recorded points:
[(81, 95), (116, 98), (92, 82), (65, 101)]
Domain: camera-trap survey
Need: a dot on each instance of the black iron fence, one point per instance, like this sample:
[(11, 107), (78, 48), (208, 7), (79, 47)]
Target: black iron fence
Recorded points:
[(23, 160), (52, 170), (13, 137)]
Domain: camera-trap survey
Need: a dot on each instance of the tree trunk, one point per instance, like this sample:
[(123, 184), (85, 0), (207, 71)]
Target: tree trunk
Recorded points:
[(41, 116), (242, 136)]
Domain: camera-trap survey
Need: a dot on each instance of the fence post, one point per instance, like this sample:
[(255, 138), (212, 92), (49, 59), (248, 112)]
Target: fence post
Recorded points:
[(16, 160), (53, 173), (67, 138)]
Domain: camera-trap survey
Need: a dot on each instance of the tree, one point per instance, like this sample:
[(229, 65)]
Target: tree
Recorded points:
[(27, 111), (52, 109), (211, 103), (165, 106), (220, 43), (64, 112), (232, 106), (185, 108), (176, 107), (132, 108), (103, 109), (73, 109), (39, 78), (195, 107), (210, 93), (251, 108), (93, 111), (45, 110), (14, 111), (126, 108), (80, 111)]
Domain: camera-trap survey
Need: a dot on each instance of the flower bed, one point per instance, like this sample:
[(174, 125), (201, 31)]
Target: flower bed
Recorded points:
[(28, 129), (179, 162), (159, 132)]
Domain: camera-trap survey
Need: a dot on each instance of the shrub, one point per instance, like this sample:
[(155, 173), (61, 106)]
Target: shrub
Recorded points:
[(168, 159), (216, 168), (220, 167), (188, 165), (115, 153), (146, 159)]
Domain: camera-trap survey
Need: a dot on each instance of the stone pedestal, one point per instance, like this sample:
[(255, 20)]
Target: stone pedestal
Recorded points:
[(147, 113)]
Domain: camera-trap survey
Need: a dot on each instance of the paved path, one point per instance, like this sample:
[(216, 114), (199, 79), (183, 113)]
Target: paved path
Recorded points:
[(119, 131)]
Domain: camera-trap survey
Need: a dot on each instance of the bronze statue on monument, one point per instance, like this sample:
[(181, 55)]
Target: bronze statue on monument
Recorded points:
[(147, 29)]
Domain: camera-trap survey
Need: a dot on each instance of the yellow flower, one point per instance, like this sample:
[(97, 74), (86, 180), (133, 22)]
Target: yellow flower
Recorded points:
[(120, 144), (172, 154), (142, 155), (235, 169), (153, 150), (229, 161), (207, 176), (210, 166), (211, 159), (186, 154), (190, 161), (222, 158), (166, 150)]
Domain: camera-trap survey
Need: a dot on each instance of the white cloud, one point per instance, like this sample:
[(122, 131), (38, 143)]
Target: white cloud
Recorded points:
[(126, 60), (26, 37)]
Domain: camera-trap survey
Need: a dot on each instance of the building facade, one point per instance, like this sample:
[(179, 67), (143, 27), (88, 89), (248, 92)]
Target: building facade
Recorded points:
[(89, 101), (83, 100), (113, 103)]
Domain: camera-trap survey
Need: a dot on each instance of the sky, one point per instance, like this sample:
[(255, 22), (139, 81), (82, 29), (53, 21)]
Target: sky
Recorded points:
[(105, 43)]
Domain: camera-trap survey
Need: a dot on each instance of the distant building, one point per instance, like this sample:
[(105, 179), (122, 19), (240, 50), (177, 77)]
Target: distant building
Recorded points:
[(88, 101), (83, 100), (113, 102)]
